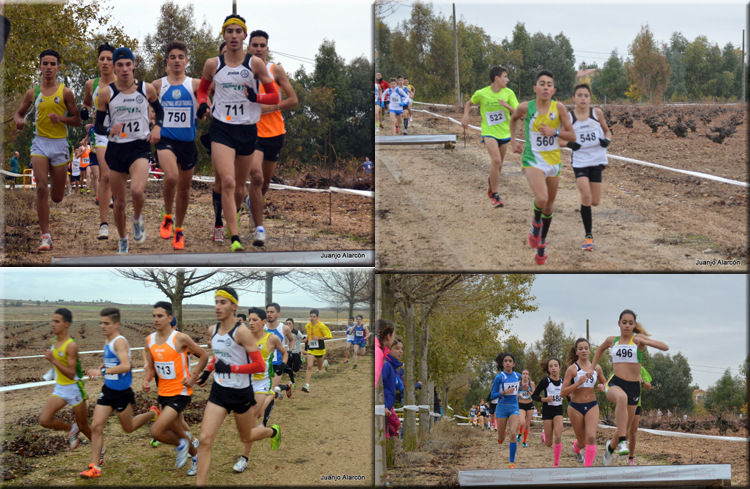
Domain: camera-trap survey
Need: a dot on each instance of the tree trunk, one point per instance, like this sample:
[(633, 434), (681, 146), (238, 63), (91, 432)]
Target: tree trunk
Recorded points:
[(386, 298), (179, 295), (431, 400), (410, 343), (269, 288), (423, 376)]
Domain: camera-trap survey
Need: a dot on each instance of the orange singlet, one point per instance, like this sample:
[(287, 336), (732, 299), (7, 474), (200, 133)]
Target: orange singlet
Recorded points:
[(171, 367), (271, 124)]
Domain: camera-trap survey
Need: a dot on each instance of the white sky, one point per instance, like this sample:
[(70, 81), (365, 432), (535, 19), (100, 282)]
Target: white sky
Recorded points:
[(702, 316), (294, 27), (88, 284), (595, 28)]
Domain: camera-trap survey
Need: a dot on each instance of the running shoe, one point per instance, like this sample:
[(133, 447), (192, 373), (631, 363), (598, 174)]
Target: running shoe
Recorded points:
[(588, 243), (218, 234), (622, 448), (525, 445), (178, 242), (237, 246), (541, 255), (355, 366), (259, 238), (103, 231), (542, 438), (579, 455), (101, 455), (512, 466), (154, 442), (607, 457), (496, 200), (193, 468), (289, 389), (276, 439), (535, 234), (93, 471), (191, 437), (631, 462), (88, 190), (489, 188), (306, 388), (165, 231), (325, 364), (157, 412), (240, 465), (405, 133), (518, 438), (46, 243), (346, 361), (139, 231), (123, 246), (396, 129), (182, 453), (73, 437)]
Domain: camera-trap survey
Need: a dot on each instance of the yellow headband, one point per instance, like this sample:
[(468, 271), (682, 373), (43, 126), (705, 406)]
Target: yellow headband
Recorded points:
[(226, 294), (233, 20)]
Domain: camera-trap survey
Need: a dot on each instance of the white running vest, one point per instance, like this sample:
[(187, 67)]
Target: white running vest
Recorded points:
[(132, 110), (227, 350), (588, 133), (230, 105)]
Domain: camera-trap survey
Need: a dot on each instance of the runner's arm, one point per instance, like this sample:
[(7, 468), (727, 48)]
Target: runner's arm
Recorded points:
[(271, 97), (567, 133), (70, 370), (121, 349), (569, 387), (536, 396), (291, 97), (88, 100), (196, 350), (74, 119), (598, 355), (292, 339), (602, 120)]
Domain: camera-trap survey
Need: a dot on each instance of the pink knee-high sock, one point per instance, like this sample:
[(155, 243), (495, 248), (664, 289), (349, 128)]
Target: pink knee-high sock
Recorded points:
[(558, 452), (575, 447), (589, 456)]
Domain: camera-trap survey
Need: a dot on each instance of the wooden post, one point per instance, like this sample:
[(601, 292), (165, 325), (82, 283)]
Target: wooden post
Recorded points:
[(380, 467), (587, 330), (234, 7), (455, 56)]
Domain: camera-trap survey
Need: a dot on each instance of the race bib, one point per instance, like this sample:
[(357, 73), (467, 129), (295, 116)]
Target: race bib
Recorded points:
[(495, 118), (177, 117), (313, 345), (165, 370), (556, 400), (625, 354), (360, 333), (542, 143), (509, 385), (233, 111), (524, 395)]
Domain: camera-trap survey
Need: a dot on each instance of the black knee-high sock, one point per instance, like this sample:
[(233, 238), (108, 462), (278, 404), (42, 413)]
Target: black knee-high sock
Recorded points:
[(267, 414), (537, 213), (546, 221), (291, 374), (406, 123), (217, 209), (586, 216)]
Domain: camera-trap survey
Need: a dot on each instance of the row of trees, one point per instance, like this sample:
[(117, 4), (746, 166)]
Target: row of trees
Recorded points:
[(421, 47), (678, 71), (332, 122)]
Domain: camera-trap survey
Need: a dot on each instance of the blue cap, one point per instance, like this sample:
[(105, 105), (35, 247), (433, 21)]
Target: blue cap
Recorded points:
[(174, 319), (123, 53)]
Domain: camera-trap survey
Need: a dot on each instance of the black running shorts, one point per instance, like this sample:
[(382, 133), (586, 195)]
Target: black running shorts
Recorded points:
[(237, 400), (121, 155), (185, 151), (271, 147), (593, 173), (118, 400), (240, 137)]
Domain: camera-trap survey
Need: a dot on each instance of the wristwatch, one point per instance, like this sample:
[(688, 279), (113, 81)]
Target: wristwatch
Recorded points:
[(557, 132), (104, 371)]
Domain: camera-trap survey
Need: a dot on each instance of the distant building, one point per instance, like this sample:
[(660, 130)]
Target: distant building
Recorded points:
[(699, 395)]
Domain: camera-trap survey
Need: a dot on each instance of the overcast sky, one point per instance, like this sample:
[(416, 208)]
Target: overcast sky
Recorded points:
[(702, 316), (89, 284), (294, 27), (595, 28)]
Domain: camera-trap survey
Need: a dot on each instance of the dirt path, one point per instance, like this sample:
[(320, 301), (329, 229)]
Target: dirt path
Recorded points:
[(320, 437), (294, 221), (480, 450), (432, 210)]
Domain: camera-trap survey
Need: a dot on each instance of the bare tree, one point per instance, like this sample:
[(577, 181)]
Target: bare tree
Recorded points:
[(348, 286), (179, 284)]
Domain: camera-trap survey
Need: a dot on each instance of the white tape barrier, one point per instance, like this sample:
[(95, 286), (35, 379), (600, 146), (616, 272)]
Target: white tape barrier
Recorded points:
[(39, 384), (10, 174), (630, 160), (278, 186), (686, 435)]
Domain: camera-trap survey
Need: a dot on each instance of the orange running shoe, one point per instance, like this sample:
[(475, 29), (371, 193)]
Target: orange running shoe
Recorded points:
[(512, 466), (92, 472), (178, 242), (166, 227)]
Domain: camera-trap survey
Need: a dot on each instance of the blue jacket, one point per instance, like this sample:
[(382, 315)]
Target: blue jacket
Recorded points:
[(390, 365)]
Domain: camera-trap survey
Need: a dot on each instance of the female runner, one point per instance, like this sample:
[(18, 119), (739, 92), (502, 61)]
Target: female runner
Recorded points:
[(525, 406), (505, 389), (552, 411)]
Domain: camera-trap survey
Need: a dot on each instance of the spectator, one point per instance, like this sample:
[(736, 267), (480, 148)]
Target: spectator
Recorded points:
[(367, 165), (13, 168), (4, 31)]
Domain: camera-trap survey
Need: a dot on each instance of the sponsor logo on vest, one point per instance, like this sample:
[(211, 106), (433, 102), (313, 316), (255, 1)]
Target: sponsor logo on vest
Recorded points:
[(57, 100), (552, 116), (228, 342), (176, 93), (139, 99), (244, 73)]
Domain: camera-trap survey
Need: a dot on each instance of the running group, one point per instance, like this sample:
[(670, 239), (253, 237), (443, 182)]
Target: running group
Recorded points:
[(515, 394), (251, 353), (245, 136), (546, 122), (395, 99)]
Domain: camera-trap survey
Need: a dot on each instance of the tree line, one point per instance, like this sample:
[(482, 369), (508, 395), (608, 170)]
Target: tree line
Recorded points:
[(332, 122), (421, 46)]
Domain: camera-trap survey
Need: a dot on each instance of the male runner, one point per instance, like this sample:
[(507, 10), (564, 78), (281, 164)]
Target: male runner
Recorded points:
[(167, 358), (271, 132), (75, 171), (284, 332), (235, 112), (236, 357), (497, 103), (405, 103), (349, 338), (83, 155), (99, 141), (317, 333), (268, 344), (412, 94), (396, 96), (177, 144), (69, 389), (361, 333), (50, 149), (242, 318), (295, 361), (129, 148), (384, 86), (116, 392)]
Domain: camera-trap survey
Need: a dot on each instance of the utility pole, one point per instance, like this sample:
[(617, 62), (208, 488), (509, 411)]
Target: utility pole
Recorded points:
[(234, 7), (743, 64), (455, 56), (587, 330)]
